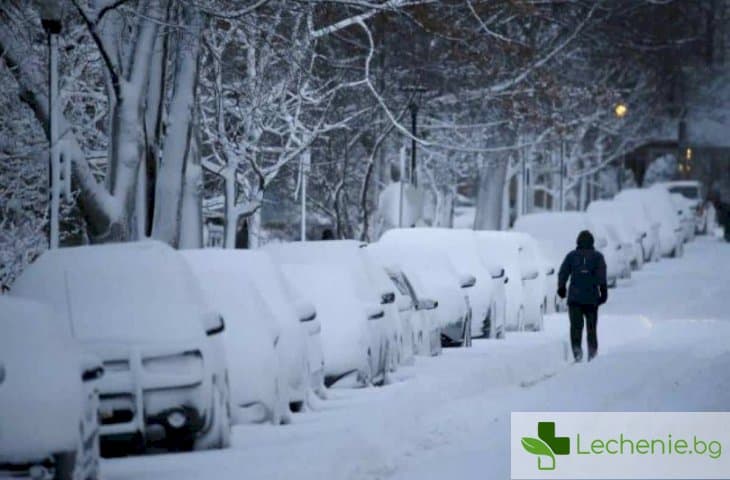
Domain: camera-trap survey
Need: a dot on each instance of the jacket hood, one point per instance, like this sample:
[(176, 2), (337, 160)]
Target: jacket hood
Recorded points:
[(585, 240)]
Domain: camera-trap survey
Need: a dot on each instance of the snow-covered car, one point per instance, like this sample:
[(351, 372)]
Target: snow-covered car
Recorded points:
[(406, 311), (557, 233), (138, 307), (659, 203), (372, 285), (524, 276), (693, 191), (658, 208), (631, 206), (686, 216), (550, 279), (610, 214), (486, 296), (438, 281), (48, 397), (422, 322), (268, 367), (296, 320), (610, 245), (351, 335)]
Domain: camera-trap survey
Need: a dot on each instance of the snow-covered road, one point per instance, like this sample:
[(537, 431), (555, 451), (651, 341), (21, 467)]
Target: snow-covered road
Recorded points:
[(664, 345)]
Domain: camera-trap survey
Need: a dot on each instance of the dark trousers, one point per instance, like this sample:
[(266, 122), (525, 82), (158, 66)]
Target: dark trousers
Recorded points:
[(578, 314)]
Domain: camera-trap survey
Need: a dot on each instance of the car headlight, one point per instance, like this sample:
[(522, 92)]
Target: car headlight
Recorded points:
[(183, 363)]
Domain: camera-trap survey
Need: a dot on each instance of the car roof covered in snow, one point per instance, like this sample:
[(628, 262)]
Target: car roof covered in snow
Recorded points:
[(137, 291), (350, 254), (556, 231), (460, 245)]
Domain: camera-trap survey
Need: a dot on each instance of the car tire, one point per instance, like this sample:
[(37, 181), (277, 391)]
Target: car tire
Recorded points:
[(70, 465), (467, 331), (66, 466), (488, 326), (218, 435)]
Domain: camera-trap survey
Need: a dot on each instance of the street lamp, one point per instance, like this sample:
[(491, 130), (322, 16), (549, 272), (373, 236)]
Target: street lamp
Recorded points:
[(621, 111), (413, 106), (51, 14)]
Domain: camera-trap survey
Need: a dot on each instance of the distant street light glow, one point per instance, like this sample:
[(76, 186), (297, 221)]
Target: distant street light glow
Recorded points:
[(621, 110)]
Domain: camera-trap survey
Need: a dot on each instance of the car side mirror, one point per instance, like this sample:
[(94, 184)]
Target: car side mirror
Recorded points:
[(506, 280), (467, 281), (214, 324), (387, 298), (530, 274), (550, 271), (426, 304), (306, 312), (498, 273), (374, 312), (91, 368)]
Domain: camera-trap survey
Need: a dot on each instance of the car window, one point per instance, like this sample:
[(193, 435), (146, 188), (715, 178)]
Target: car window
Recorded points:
[(688, 191), (120, 303)]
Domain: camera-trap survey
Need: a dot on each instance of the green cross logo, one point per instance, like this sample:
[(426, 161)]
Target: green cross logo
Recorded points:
[(546, 445)]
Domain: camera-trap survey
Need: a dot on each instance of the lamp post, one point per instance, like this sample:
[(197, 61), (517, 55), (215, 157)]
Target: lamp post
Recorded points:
[(413, 106), (562, 173), (305, 168), (621, 110), (51, 14)]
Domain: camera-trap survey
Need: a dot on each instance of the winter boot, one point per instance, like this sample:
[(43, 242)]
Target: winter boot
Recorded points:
[(578, 355)]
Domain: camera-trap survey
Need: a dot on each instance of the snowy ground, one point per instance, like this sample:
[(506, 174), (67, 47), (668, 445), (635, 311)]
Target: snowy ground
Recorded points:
[(663, 346)]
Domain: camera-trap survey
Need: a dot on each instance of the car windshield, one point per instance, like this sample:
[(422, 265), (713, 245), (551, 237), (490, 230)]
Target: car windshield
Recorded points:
[(119, 303), (687, 191)]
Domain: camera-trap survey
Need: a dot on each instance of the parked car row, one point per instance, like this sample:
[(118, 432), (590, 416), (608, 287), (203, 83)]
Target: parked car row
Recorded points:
[(638, 225), (130, 348)]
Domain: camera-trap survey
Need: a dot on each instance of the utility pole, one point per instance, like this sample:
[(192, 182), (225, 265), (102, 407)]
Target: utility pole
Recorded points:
[(413, 107)]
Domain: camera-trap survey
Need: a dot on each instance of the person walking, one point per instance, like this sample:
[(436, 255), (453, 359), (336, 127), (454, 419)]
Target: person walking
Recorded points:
[(585, 267)]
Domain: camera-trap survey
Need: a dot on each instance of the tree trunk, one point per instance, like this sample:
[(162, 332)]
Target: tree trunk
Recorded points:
[(168, 193), (191, 226), (230, 212), (254, 229), (492, 178)]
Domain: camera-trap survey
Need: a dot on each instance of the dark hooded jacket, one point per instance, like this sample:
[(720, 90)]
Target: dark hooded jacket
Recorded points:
[(586, 269)]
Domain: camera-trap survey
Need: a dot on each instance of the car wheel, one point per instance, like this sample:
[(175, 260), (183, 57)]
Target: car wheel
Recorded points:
[(71, 465), (467, 333), (67, 466), (540, 325), (487, 330), (219, 434)]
